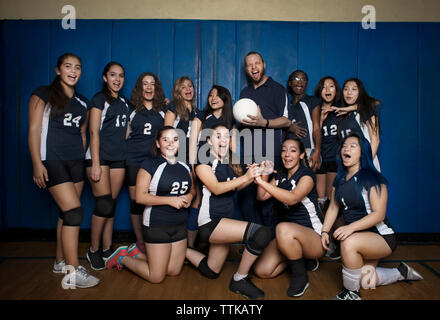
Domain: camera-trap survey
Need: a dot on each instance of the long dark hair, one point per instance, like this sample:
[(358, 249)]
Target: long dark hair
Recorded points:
[(367, 105), (105, 89), (238, 170), (227, 115), (302, 149), (58, 99), (320, 86), (137, 98), (368, 175)]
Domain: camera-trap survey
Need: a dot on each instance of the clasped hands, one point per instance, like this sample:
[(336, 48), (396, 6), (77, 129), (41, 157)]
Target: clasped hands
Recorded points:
[(257, 171)]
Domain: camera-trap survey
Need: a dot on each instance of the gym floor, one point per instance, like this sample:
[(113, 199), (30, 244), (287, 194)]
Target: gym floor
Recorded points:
[(26, 274)]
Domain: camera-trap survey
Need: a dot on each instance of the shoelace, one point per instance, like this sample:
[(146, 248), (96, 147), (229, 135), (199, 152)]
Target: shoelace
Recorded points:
[(83, 272)]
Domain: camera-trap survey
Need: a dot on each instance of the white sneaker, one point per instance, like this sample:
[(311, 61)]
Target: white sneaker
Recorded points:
[(59, 267), (408, 273), (80, 278)]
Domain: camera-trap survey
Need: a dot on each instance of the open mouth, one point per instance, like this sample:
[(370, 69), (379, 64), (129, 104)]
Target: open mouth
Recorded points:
[(346, 157), (72, 77)]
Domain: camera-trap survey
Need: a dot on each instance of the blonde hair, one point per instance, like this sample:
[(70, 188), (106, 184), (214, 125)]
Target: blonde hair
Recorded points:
[(178, 99)]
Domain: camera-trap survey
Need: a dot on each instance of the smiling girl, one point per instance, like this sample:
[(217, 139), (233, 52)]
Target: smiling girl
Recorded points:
[(299, 215), (220, 179), (57, 140), (365, 117), (105, 159), (164, 186), (148, 99)]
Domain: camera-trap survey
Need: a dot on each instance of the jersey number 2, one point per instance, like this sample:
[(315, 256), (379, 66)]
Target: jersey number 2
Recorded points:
[(68, 120)]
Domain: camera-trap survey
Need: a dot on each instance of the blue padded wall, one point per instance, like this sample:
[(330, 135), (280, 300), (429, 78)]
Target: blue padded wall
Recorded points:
[(398, 63)]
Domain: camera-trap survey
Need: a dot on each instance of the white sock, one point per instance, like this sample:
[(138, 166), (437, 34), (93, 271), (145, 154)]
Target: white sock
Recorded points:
[(238, 277), (322, 200), (351, 278), (388, 275)]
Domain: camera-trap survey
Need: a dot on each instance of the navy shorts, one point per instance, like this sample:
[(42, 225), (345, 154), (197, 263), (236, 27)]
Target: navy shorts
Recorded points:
[(131, 174), (206, 230), (327, 166), (61, 171), (166, 234), (118, 164)]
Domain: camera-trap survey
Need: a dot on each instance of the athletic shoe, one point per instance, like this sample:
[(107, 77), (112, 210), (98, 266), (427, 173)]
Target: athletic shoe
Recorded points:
[(335, 251), (312, 264), (59, 267), (107, 253), (80, 278), (408, 273), (115, 259), (346, 294), (246, 288), (95, 260), (133, 250), (141, 246), (298, 286)]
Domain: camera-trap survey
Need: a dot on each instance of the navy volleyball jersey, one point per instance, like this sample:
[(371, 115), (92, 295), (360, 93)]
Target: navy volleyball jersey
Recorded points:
[(353, 199), (329, 137), (302, 111), (210, 122), (113, 129), (184, 125), (352, 123), (61, 135), (221, 206), (144, 126), (306, 212), (167, 180)]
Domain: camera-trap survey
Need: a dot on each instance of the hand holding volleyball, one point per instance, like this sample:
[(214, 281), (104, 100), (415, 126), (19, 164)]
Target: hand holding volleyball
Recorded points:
[(244, 108)]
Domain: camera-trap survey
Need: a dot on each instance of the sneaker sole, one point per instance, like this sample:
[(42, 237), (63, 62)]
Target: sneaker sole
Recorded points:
[(238, 291), (67, 286), (301, 293), (91, 265)]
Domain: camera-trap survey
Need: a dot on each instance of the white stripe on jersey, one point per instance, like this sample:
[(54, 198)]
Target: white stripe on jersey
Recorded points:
[(204, 216), (153, 190), (44, 131), (309, 122), (381, 226), (286, 108), (82, 102), (132, 115), (311, 209), (366, 134), (104, 112), (123, 100)]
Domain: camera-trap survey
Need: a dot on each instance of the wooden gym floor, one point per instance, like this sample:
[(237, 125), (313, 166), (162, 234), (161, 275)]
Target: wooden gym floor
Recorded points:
[(26, 273)]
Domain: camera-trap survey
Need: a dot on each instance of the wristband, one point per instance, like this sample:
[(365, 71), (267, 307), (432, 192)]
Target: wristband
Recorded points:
[(267, 123), (324, 232)]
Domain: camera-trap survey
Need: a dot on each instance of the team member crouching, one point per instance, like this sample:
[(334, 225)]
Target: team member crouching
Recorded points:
[(361, 192), (299, 215), (57, 140), (164, 186), (216, 223), (105, 160)]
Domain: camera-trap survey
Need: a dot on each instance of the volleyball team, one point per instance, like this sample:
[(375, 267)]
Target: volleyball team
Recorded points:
[(321, 194)]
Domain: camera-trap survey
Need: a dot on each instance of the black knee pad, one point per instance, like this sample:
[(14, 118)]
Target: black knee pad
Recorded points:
[(206, 270), (136, 209), (257, 238), (104, 206), (73, 217)]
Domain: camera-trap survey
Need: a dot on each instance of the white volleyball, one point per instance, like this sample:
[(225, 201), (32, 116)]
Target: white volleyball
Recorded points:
[(243, 107)]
